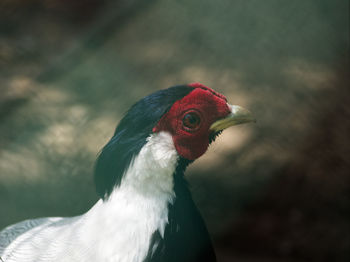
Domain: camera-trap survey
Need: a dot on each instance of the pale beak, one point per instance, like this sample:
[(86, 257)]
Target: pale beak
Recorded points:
[(238, 115)]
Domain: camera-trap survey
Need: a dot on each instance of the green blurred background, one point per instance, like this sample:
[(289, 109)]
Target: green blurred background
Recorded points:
[(278, 190)]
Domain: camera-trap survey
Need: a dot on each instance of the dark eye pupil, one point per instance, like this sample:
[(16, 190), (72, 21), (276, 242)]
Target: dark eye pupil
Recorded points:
[(191, 120)]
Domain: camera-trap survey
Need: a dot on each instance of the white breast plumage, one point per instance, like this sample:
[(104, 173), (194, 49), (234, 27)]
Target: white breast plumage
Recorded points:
[(117, 229)]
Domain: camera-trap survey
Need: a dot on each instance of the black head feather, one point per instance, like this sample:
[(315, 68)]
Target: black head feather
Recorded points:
[(130, 136)]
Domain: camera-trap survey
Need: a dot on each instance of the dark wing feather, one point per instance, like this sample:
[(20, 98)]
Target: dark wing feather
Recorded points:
[(186, 237)]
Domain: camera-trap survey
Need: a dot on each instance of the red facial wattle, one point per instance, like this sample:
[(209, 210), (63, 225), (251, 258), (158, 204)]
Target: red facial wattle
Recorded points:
[(190, 136)]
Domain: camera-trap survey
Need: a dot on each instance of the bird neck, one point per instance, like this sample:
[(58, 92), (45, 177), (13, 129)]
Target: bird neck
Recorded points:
[(138, 207), (151, 172), (185, 237)]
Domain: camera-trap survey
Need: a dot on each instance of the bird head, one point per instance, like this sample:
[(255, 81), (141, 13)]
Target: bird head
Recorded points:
[(197, 118), (192, 114)]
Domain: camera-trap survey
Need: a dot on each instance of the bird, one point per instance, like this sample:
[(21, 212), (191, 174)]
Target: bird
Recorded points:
[(145, 211)]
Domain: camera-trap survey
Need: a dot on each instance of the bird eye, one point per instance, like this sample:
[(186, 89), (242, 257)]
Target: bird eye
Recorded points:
[(191, 121)]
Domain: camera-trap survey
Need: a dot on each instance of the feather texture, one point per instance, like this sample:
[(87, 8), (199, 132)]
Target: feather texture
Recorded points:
[(186, 237), (118, 229), (146, 212)]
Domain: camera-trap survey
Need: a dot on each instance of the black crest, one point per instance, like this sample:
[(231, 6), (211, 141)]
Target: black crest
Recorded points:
[(130, 136)]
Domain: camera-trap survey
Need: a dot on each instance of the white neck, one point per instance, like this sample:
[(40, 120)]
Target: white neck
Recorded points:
[(137, 208), (150, 173)]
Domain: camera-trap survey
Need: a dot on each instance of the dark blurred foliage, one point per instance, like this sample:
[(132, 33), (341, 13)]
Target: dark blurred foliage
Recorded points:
[(79, 11), (275, 191), (304, 212)]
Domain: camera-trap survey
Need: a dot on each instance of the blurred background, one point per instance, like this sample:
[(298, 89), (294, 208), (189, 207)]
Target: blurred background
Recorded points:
[(278, 190)]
